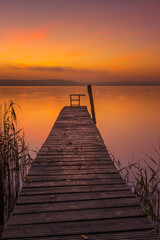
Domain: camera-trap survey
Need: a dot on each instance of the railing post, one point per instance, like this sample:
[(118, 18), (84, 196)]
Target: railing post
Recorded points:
[(89, 87), (70, 100)]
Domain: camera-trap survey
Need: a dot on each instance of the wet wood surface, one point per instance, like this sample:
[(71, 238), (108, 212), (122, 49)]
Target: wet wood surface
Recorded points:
[(73, 190)]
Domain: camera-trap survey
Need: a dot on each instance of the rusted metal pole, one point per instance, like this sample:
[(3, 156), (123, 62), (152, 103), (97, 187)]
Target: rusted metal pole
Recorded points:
[(89, 87)]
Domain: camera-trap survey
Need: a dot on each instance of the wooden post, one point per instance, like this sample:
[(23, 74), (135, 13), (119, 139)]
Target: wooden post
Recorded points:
[(89, 87)]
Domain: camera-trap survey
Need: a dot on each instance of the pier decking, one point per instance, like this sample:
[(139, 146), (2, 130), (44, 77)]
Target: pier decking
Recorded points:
[(73, 191)]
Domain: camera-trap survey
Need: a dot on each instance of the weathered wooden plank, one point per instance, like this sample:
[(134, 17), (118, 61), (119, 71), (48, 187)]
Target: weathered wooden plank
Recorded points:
[(74, 151), (128, 235), (69, 182), (96, 164), (72, 205), (74, 174), (81, 158), (71, 145), (77, 167), (79, 227), (58, 197), (57, 177), (78, 171), (76, 215), (86, 151), (73, 189)]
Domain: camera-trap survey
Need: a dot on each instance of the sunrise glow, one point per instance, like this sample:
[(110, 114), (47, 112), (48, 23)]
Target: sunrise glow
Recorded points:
[(80, 40)]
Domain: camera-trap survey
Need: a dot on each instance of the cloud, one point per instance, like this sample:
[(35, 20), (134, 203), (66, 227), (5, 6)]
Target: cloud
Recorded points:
[(75, 54), (80, 25), (122, 67), (145, 33), (39, 33), (132, 33), (103, 32), (51, 68), (27, 35)]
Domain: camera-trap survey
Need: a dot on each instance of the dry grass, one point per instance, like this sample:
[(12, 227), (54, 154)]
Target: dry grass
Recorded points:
[(14, 160), (144, 183)]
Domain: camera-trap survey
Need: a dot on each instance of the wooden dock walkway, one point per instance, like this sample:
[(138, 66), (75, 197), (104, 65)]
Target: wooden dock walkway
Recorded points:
[(73, 190)]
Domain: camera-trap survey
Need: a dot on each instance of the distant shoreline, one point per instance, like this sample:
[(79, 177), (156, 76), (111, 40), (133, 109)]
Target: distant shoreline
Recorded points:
[(54, 82), (60, 82), (128, 84)]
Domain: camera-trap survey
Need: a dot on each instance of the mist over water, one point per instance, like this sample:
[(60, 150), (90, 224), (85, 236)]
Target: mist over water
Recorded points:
[(127, 117)]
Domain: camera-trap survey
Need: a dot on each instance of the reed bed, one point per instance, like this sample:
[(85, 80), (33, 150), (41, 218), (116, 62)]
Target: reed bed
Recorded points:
[(144, 183), (14, 160)]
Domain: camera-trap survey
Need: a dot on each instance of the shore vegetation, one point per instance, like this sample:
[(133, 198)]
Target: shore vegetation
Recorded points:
[(14, 160)]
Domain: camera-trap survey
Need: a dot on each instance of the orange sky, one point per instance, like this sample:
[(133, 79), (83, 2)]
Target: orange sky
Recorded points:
[(87, 40)]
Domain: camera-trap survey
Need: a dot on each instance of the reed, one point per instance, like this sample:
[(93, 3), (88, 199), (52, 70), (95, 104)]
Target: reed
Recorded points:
[(14, 160), (144, 183)]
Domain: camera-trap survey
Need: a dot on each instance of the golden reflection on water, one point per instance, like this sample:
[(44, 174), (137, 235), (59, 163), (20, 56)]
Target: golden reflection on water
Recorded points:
[(127, 117)]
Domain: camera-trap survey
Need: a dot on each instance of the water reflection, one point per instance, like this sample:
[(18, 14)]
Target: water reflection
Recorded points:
[(127, 117)]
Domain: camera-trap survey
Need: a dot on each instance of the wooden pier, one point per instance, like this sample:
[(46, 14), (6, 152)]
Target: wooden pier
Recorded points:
[(73, 191)]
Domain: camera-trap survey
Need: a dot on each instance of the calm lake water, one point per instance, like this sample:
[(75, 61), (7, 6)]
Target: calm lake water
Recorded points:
[(127, 117)]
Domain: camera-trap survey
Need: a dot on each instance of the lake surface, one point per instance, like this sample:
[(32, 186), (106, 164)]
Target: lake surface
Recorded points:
[(127, 117)]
